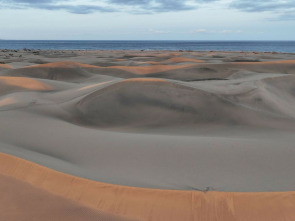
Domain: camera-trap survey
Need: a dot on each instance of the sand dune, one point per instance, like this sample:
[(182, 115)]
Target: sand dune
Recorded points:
[(63, 64), (196, 73), (147, 135), (284, 66), (149, 69), (273, 94), (175, 60), (136, 203), (67, 71), (5, 66), (181, 60), (12, 84), (62, 71), (225, 70), (34, 203), (166, 104)]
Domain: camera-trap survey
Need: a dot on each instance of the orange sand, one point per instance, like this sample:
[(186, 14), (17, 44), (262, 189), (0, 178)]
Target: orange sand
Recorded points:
[(25, 83), (6, 66), (7, 101), (153, 204), (22, 201)]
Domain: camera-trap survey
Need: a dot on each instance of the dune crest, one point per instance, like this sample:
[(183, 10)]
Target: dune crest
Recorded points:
[(24, 83), (61, 71), (138, 203)]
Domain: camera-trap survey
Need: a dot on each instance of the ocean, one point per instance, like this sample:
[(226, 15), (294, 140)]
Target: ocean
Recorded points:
[(260, 46)]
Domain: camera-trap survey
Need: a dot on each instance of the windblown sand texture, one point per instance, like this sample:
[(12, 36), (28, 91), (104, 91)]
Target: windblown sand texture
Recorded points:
[(147, 135)]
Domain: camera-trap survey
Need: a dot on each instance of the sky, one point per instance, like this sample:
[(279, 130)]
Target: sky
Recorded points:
[(147, 19)]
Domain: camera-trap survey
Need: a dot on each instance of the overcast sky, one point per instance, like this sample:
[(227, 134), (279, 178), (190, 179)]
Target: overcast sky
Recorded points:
[(147, 19)]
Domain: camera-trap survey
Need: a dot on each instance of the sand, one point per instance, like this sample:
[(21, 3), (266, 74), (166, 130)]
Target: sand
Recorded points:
[(119, 135), (138, 203), (22, 201)]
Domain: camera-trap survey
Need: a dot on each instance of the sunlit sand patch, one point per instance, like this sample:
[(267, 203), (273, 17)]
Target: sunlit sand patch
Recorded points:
[(36, 202), (7, 101), (6, 66), (140, 203), (25, 83)]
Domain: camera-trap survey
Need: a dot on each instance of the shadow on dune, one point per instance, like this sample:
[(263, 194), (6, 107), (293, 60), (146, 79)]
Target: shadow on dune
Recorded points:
[(152, 103)]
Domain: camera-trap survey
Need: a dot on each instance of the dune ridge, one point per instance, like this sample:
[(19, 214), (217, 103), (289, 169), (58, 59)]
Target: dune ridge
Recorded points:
[(141, 204), (61, 71), (25, 83)]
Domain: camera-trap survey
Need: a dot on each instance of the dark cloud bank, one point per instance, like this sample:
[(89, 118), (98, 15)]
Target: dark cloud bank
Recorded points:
[(138, 6)]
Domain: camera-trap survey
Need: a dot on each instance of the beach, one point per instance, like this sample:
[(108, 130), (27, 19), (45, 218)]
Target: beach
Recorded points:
[(147, 135)]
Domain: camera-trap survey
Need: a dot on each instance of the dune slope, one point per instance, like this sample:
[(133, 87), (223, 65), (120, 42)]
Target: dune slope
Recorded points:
[(159, 103), (34, 203), (136, 203)]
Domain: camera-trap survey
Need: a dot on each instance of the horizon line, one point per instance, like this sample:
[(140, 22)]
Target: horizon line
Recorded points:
[(137, 40)]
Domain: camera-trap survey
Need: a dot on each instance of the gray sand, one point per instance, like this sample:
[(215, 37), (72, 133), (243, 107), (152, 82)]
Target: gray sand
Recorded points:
[(225, 124)]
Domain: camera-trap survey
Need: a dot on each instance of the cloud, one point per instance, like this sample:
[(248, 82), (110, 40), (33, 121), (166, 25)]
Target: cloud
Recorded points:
[(161, 5), (76, 9), (66, 5), (131, 6), (262, 5), (284, 9), (30, 1)]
